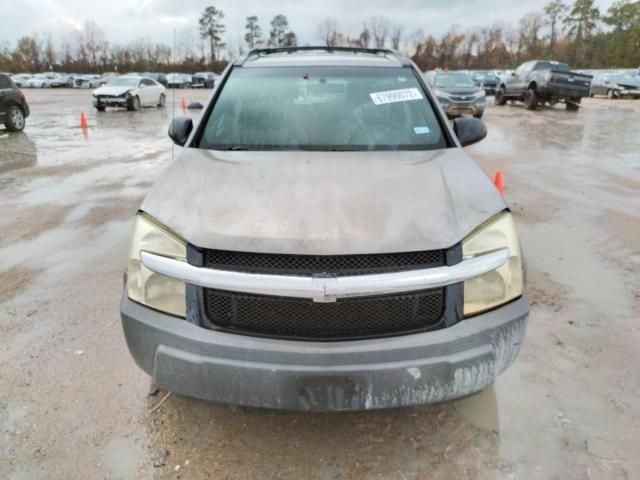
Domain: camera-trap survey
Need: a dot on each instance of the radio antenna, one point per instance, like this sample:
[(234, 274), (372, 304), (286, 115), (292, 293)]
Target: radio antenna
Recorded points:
[(173, 96)]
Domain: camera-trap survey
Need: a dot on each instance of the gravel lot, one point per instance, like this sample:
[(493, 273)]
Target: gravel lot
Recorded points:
[(74, 405)]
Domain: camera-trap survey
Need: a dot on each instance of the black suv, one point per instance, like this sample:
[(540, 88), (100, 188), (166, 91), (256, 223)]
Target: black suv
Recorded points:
[(13, 105)]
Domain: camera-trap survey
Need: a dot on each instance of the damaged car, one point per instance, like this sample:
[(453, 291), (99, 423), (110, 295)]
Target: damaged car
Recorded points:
[(130, 92), (324, 243)]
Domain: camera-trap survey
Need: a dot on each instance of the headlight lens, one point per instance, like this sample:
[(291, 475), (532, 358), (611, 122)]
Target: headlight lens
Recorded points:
[(441, 93), (499, 286), (145, 286)]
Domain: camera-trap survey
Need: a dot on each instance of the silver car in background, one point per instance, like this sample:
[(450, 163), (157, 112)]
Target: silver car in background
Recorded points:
[(457, 93), (21, 79), (41, 80)]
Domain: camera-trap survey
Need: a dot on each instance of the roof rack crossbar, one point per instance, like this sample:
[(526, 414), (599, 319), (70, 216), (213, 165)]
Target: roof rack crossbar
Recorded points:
[(329, 49)]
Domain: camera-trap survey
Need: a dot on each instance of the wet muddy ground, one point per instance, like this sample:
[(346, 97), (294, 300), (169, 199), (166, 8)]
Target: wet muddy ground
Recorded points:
[(74, 405)]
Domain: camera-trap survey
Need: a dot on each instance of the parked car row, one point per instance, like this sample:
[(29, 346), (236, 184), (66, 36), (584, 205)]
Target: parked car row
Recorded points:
[(53, 80)]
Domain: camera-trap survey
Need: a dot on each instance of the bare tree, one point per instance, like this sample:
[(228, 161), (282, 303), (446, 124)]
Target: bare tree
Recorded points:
[(379, 27), (186, 44), (365, 37), (328, 32), (48, 51), (396, 36)]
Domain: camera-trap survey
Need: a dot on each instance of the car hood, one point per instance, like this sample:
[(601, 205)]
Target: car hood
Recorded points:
[(323, 203), (459, 90), (629, 83), (107, 90)]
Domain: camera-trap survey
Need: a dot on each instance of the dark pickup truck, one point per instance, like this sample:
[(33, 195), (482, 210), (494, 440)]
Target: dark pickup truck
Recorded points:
[(541, 81)]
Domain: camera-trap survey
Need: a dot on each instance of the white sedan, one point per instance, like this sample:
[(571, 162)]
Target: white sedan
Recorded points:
[(130, 92)]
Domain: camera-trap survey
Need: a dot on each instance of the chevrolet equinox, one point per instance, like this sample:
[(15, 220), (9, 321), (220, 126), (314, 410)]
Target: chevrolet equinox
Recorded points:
[(323, 242)]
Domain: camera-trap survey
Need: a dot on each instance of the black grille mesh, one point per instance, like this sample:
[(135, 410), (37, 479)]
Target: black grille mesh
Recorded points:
[(303, 318), (339, 265)]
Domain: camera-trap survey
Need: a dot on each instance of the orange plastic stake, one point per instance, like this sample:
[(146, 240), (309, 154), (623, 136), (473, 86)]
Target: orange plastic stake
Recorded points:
[(83, 121), (498, 182), (184, 104)]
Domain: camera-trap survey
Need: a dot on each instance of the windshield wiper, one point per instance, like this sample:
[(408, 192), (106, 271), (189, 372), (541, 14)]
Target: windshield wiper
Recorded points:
[(345, 149), (237, 148)]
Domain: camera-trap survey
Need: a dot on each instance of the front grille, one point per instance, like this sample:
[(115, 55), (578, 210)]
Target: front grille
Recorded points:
[(305, 265), (304, 319)]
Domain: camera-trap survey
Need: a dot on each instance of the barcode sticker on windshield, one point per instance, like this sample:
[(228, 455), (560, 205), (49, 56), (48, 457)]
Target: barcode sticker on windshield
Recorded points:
[(393, 96)]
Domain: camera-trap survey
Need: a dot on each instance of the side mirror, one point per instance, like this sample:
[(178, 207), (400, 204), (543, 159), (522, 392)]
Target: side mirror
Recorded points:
[(469, 130), (179, 130)]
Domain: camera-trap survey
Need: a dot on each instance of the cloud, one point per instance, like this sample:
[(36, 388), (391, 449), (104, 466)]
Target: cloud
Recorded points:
[(124, 20)]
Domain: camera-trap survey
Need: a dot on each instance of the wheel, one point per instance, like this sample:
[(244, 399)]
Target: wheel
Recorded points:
[(611, 94), (531, 99), (499, 98), (572, 107), (161, 100), (15, 119), (133, 103), (100, 108), (478, 115)]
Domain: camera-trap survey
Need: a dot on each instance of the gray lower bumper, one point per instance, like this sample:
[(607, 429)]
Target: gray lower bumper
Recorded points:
[(324, 376), (454, 109)]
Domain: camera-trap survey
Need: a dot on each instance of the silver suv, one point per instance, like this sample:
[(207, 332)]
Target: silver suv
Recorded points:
[(324, 243)]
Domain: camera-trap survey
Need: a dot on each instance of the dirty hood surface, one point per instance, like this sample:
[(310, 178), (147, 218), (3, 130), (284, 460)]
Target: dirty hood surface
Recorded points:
[(323, 203)]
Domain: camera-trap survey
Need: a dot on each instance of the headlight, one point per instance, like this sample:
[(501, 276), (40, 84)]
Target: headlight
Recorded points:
[(145, 286), (499, 286), (441, 93), (479, 94)]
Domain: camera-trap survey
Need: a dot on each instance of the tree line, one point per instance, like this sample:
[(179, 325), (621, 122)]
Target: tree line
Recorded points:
[(577, 33)]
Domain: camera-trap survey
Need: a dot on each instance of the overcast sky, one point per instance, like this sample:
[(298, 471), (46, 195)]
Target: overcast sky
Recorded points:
[(127, 20)]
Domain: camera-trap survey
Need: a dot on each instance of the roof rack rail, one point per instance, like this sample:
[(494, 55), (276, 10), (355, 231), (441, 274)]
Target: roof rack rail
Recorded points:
[(329, 49)]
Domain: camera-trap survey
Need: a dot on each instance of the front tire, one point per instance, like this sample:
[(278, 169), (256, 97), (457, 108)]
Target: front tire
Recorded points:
[(572, 107), (100, 108), (161, 100), (478, 115), (134, 104), (15, 119), (611, 94), (499, 98), (531, 99)]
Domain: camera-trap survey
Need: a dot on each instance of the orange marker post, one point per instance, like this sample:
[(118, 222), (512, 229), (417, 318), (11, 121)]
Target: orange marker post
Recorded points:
[(184, 105), (83, 121), (499, 183)]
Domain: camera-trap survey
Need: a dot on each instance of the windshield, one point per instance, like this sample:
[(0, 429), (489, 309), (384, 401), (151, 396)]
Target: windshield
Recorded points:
[(453, 80), (322, 108), (123, 82)]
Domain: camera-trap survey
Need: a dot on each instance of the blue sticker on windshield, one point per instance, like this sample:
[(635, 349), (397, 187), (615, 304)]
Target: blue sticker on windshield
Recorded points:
[(421, 130)]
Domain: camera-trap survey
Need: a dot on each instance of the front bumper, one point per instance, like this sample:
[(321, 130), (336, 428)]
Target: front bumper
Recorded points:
[(325, 376), (456, 108), (632, 93), (110, 101)]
